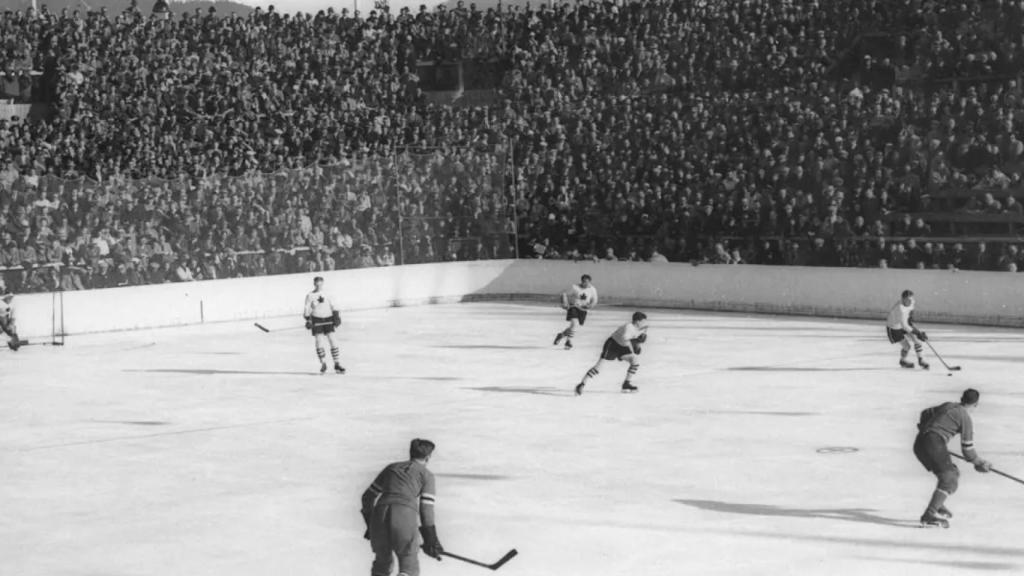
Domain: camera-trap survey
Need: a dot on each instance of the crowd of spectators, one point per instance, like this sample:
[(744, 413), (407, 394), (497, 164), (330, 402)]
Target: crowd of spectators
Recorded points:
[(205, 145)]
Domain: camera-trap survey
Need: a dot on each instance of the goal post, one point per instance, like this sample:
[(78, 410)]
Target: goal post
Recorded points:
[(39, 318)]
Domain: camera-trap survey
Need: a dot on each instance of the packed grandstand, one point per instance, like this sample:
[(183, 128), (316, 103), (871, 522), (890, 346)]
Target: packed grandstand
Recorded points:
[(177, 146)]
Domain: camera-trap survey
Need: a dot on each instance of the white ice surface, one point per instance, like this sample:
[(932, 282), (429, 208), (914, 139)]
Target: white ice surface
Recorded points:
[(216, 450)]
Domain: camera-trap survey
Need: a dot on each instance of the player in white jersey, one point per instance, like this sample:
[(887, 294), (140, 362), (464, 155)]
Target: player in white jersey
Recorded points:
[(580, 298), (322, 318), (899, 326), (623, 344), (7, 322)]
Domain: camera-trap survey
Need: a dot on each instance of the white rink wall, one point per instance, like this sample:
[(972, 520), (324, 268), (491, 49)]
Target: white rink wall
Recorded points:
[(984, 298)]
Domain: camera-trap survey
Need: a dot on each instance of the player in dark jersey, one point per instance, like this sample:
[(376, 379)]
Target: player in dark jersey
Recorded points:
[(937, 426), (401, 498), (7, 325)]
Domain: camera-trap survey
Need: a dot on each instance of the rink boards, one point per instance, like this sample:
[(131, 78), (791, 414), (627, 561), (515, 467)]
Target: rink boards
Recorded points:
[(981, 298)]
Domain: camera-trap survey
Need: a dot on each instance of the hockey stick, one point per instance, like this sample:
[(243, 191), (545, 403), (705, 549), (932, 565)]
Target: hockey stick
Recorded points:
[(508, 556), (948, 367), (265, 329), (1000, 472)]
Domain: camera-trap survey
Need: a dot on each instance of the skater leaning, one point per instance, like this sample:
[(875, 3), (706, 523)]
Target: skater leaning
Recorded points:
[(899, 326), (322, 318), (7, 322), (937, 426), (399, 500), (576, 302), (623, 344)]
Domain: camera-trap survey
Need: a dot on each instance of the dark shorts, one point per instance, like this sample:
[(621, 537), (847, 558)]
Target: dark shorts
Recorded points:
[(322, 325), (931, 452), (393, 531), (612, 350), (577, 313), (895, 335)]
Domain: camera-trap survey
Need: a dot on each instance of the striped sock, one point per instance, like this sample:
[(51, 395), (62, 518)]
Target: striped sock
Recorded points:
[(590, 374), (632, 371), (320, 353), (336, 354)]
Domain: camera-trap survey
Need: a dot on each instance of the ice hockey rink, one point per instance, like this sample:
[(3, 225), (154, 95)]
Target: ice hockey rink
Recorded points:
[(756, 445)]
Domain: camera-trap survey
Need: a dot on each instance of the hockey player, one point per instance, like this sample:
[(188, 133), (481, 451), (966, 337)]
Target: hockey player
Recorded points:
[(7, 322), (937, 426), (623, 344), (580, 298), (901, 330), (322, 318), (401, 498)]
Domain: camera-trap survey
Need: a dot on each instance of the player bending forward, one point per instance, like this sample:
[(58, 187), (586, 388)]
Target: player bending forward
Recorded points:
[(938, 425), (901, 330), (401, 498), (322, 318), (580, 298), (7, 322), (623, 344)]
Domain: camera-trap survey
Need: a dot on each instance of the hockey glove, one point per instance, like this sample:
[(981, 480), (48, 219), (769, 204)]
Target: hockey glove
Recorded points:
[(431, 545), (309, 323), (983, 466), (921, 335), (336, 318)]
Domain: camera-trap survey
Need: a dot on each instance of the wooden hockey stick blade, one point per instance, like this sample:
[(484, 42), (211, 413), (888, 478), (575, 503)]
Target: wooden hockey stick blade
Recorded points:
[(260, 326), (508, 556), (1000, 472), (937, 355)]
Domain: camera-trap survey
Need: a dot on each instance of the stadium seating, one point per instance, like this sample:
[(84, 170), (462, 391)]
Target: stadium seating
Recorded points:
[(204, 145)]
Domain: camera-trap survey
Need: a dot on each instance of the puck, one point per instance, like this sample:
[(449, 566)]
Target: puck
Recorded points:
[(950, 374)]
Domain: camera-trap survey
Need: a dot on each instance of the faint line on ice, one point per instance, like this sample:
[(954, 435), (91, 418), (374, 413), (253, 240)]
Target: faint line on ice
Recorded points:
[(157, 434)]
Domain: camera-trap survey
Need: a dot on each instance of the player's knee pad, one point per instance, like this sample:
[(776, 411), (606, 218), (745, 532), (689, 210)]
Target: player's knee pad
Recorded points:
[(949, 481)]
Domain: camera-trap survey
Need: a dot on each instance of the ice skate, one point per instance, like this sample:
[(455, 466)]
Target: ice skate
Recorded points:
[(932, 520), (627, 387), (922, 363), (339, 368), (579, 389), (944, 512), (905, 364), (323, 367), (558, 338), (568, 345)]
